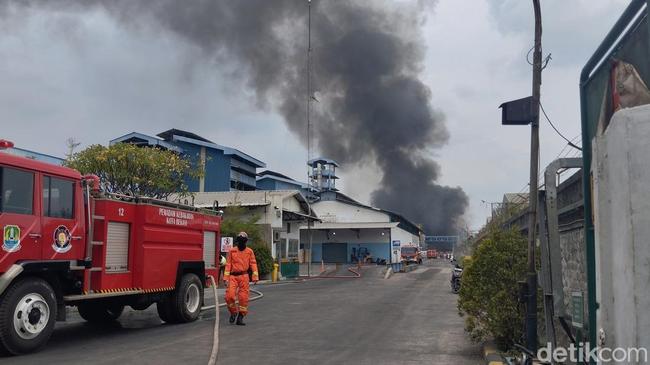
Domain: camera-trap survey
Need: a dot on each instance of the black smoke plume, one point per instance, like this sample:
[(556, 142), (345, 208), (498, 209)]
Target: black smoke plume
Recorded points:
[(367, 58)]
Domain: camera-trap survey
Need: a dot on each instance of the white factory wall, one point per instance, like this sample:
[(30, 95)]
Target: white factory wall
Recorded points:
[(335, 211), (372, 239), (404, 237), (621, 169), (291, 203)]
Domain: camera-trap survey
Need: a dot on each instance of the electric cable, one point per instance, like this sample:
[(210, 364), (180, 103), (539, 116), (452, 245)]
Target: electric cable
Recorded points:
[(556, 130)]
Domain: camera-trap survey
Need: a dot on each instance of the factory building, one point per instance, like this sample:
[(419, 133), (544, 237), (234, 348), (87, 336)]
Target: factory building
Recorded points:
[(225, 168), (8, 147), (349, 230), (271, 180), (280, 215)]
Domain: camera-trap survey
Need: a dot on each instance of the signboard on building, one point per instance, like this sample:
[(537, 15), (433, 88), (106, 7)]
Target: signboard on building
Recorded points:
[(577, 309), (441, 243), (226, 244), (395, 252)]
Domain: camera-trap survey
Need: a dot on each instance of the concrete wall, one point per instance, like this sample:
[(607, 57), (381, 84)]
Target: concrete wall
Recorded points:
[(572, 247), (621, 169)]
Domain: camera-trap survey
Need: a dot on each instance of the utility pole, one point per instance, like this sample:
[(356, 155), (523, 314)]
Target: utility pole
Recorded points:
[(531, 306), (72, 144), (309, 97)]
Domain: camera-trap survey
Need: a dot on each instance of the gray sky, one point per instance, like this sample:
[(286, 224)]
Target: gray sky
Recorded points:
[(84, 75)]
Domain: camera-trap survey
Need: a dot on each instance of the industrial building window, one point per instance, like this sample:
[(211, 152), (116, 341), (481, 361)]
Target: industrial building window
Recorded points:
[(58, 197), (293, 249), (17, 189)]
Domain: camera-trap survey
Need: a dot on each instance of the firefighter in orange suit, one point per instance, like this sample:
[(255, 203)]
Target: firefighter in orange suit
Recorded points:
[(240, 260)]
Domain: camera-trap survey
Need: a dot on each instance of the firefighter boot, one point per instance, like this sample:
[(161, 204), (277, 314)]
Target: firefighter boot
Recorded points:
[(232, 318), (240, 320)]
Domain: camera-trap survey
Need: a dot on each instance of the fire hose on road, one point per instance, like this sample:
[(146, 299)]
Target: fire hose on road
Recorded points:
[(215, 334), (215, 341), (357, 274)]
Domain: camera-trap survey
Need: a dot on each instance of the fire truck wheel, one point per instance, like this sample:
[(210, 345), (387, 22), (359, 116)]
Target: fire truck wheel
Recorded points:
[(187, 299), (100, 312), (27, 315)]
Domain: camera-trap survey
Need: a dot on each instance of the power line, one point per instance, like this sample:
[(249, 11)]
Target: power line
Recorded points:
[(556, 130)]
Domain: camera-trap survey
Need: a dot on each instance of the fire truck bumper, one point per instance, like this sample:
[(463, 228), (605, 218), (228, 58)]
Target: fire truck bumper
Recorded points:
[(9, 276)]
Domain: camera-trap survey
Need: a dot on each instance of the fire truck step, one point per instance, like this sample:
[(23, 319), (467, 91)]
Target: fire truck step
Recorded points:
[(99, 217), (72, 298), (98, 243)]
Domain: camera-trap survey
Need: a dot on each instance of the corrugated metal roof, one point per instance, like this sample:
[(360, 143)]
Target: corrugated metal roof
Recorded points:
[(356, 225), (515, 198)]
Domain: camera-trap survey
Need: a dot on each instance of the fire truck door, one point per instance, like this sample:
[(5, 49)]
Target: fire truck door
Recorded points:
[(19, 219), (62, 234)]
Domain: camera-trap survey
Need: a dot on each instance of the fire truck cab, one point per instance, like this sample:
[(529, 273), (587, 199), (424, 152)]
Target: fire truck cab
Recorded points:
[(411, 254), (66, 243)]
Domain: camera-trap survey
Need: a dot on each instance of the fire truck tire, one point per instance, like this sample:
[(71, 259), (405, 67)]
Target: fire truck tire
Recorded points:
[(27, 315), (187, 299), (100, 312)]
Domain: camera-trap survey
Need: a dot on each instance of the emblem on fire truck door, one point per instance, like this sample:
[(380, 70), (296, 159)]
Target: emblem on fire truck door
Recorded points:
[(61, 240), (11, 238)]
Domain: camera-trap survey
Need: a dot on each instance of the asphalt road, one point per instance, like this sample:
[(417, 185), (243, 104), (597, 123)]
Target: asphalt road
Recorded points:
[(410, 318)]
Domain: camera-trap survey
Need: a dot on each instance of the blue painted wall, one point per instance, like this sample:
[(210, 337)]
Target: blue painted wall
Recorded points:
[(270, 184), (266, 184), (377, 250), (217, 170), (191, 152), (217, 167)]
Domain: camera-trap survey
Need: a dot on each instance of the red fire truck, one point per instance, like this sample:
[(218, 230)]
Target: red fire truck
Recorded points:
[(66, 243)]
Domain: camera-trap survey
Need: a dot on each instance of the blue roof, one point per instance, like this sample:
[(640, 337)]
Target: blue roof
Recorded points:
[(133, 137), (226, 150), (35, 155), (283, 179)]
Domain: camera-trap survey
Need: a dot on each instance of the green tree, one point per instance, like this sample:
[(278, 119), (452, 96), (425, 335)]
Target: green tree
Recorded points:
[(236, 219), (264, 259), (489, 291), (124, 168)]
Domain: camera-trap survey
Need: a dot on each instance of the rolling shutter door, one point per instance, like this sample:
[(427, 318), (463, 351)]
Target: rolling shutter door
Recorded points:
[(335, 252), (209, 252), (117, 247)]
